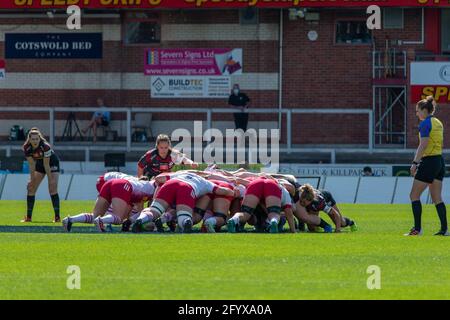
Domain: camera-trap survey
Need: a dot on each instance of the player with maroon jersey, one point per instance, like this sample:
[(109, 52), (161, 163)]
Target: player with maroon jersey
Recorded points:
[(161, 159), (43, 162), (312, 201)]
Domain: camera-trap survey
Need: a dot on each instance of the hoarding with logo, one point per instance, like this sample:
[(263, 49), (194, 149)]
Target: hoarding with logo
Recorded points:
[(346, 170), (194, 62), (190, 87), (430, 78), (53, 46), (184, 4)]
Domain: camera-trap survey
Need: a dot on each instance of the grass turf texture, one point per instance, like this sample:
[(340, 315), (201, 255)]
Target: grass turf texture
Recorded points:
[(34, 259)]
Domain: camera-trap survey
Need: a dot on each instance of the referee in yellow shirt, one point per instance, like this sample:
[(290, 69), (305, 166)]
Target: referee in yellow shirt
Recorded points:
[(428, 167)]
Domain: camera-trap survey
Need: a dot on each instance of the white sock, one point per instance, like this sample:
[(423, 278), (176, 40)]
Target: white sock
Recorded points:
[(83, 218), (111, 219), (144, 217), (212, 221), (182, 221), (274, 220), (236, 220), (134, 217)]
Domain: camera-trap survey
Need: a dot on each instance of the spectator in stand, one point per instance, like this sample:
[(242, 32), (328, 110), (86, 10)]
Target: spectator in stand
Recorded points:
[(101, 117), (367, 171), (241, 100)]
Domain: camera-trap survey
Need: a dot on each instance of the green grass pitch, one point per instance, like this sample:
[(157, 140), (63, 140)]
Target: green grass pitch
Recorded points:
[(34, 260)]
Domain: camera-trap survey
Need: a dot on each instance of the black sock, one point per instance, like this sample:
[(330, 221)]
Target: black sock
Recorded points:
[(348, 222), (417, 211), (442, 213), (323, 224), (301, 226), (55, 203), (30, 205)]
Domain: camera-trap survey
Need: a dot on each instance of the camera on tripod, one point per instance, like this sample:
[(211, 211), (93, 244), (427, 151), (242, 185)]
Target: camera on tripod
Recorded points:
[(71, 129)]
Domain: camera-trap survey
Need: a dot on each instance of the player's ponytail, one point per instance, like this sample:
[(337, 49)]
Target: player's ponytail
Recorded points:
[(306, 192), (428, 103)]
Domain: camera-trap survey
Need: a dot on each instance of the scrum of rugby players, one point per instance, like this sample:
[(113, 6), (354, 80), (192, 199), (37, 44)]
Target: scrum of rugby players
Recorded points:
[(179, 200), (213, 198)]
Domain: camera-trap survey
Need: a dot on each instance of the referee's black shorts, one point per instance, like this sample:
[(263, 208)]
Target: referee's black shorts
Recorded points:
[(431, 168)]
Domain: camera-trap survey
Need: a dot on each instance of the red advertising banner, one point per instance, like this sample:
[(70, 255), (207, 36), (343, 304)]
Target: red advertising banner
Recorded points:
[(441, 93), (185, 4)]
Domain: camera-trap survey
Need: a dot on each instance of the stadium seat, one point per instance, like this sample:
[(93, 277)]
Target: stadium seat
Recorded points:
[(83, 187), (143, 123), (404, 188), (376, 190), (343, 189), (15, 187)]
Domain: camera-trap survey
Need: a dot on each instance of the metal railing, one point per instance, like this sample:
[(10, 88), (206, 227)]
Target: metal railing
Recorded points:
[(389, 64), (207, 111)]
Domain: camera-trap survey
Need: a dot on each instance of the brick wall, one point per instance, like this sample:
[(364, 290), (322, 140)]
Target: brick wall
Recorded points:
[(316, 74)]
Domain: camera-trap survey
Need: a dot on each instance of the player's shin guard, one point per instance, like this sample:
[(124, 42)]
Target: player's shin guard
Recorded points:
[(55, 203), (417, 212), (30, 205), (442, 213)]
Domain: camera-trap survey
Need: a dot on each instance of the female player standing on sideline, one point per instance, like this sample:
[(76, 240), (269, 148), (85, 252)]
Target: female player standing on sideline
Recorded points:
[(161, 159), (43, 162), (428, 167)]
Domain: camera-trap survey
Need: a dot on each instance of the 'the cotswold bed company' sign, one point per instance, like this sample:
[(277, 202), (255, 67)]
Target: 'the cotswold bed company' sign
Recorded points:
[(53, 46)]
